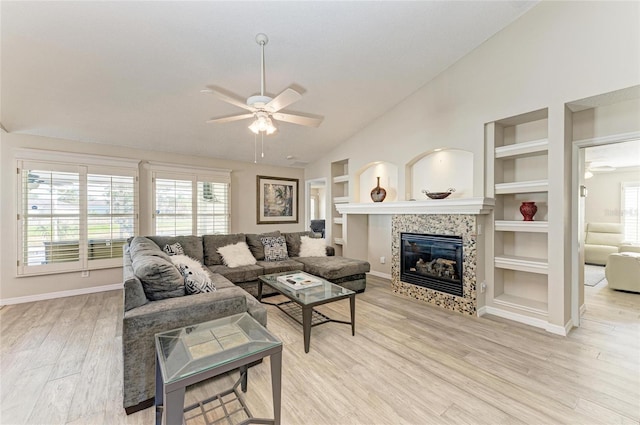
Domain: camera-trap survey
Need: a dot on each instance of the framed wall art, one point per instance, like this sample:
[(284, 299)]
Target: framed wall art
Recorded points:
[(277, 200)]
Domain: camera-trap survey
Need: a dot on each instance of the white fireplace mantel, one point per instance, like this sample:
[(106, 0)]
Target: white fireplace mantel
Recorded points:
[(473, 206)]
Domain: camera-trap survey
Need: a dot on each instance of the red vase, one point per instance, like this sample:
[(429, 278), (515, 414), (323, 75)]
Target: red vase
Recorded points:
[(528, 210)]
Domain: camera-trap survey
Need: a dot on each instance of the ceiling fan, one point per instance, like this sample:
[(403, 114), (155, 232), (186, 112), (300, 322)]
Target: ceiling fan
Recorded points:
[(263, 108)]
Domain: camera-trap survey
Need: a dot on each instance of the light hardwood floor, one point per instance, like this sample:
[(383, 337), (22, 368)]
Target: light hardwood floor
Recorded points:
[(409, 363)]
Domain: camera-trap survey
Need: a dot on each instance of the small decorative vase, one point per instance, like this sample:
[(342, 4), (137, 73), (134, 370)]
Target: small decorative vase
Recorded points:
[(377, 193), (528, 210)]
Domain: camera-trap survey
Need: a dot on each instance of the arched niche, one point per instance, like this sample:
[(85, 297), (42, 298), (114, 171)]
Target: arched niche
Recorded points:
[(439, 170), (367, 178)]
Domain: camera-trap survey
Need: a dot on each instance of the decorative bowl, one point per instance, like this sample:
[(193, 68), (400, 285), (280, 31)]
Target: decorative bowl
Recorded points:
[(438, 195)]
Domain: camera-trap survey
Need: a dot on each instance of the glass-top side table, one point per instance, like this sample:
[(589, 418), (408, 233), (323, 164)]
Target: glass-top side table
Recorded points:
[(195, 353)]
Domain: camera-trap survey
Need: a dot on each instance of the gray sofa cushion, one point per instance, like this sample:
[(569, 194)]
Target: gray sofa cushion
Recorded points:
[(140, 245), (239, 274), (255, 243), (293, 241), (332, 268), (280, 266), (211, 243), (192, 245), (160, 278)]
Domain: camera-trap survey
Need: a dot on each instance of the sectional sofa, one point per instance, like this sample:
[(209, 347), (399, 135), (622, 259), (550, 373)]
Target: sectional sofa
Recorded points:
[(147, 269)]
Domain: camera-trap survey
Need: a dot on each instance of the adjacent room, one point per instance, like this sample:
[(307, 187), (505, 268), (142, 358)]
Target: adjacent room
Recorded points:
[(318, 212)]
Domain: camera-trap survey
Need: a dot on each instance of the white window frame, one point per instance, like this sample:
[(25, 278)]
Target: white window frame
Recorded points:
[(626, 210), (83, 164), (189, 173)]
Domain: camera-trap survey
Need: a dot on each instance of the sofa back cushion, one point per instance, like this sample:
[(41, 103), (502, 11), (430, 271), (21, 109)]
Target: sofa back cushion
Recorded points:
[(604, 234), (191, 245), (211, 243), (159, 277), (255, 243)]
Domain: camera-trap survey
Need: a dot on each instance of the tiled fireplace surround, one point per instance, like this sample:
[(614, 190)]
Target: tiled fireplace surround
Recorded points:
[(463, 225)]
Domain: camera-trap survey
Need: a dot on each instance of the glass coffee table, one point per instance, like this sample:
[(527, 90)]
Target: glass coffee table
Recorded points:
[(189, 355), (300, 304)]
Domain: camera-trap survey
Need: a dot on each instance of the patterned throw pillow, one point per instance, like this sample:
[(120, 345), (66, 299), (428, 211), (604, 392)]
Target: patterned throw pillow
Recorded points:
[(196, 278), (174, 249), (275, 248)]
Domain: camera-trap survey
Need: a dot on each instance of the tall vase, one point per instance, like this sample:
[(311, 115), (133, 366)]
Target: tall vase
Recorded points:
[(528, 210), (377, 193)]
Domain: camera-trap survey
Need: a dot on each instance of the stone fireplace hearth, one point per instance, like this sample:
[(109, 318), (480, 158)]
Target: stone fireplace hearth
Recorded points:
[(462, 225)]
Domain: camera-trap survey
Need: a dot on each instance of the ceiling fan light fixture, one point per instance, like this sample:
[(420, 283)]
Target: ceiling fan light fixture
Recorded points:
[(262, 124)]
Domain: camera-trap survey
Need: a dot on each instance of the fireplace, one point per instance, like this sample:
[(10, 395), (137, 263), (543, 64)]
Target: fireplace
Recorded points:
[(432, 261)]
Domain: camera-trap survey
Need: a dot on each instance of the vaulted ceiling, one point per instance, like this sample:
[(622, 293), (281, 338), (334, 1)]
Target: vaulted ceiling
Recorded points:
[(130, 73)]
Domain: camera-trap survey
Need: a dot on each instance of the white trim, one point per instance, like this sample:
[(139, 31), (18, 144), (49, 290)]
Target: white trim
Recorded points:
[(60, 294), (380, 274), (515, 150), (473, 206), (527, 320), (583, 309), (605, 140), (482, 311), (75, 158), (220, 175)]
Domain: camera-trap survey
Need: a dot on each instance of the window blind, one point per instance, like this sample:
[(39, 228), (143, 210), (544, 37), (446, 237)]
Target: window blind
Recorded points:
[(630, 208)]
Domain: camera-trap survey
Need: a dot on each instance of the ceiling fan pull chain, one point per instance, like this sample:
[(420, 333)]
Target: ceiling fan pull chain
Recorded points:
[(255, 148), (262, 143)]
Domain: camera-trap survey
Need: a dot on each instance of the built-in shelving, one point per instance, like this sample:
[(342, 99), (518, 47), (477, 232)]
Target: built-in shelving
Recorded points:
[(523, 149), (521, 303), (521, 226), (523, 264), (531, 186), (518, 265), (341, 196)]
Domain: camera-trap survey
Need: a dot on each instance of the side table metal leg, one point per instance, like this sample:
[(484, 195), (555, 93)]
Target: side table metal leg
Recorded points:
[(174, 407), (276, 385), (159, 404), (352, 305), (306, 326), (244, 374)]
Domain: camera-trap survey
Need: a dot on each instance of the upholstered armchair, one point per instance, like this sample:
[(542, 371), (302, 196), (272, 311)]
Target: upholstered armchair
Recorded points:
[(602, 239)]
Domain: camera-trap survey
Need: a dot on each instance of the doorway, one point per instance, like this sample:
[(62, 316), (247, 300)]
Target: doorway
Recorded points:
[(316, 205)]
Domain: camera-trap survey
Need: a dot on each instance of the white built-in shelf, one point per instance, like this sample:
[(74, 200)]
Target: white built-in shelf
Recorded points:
[(521, 303), (338, 241), (520, 150), (337, 220), (341, 179), (340, 199), (522, 226), (530, 186), (523, 264)]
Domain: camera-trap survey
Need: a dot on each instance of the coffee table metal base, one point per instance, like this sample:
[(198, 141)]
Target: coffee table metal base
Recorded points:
[(309, 317)]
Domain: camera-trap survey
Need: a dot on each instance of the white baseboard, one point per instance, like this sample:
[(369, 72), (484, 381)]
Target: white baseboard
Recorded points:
[(583, 309), (527, 320), (380, 274), (482, 311), (60, 294)]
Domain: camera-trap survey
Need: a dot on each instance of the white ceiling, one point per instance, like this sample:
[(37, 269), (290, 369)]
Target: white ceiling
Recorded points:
[(130, 73), (616, 155)]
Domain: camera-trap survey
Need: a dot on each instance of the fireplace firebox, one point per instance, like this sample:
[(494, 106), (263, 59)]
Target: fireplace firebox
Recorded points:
[(432, 261)]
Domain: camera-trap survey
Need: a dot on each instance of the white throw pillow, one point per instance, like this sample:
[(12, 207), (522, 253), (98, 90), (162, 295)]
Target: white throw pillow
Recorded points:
[(312, 247), (196, 277), (237, 255)]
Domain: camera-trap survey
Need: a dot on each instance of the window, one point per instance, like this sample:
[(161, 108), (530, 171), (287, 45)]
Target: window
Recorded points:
[(73, 216), (630, 208), (190, 204)]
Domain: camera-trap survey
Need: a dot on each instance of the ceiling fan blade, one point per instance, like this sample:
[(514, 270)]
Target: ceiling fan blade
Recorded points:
[(227, 97), (284, 99), (311, 121), (230, 118)]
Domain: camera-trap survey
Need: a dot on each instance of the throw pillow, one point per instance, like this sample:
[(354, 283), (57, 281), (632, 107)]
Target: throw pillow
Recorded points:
[(275, 248), (312, 247), (196, 277), (174, 249), (236, 255), (158, 276)]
